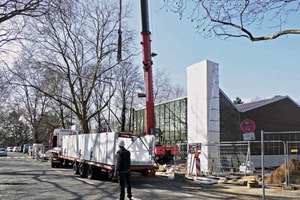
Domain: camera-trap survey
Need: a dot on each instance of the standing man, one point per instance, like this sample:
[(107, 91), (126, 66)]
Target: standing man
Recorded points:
[(123, 169)]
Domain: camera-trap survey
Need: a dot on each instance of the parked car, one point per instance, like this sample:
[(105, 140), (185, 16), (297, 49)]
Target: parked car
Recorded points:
[(3, 152), (10, 149), (26, 148), (45, 156), (17, 149)]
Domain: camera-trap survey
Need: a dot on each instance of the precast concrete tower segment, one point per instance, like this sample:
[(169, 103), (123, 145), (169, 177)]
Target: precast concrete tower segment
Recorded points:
[(203, 115)]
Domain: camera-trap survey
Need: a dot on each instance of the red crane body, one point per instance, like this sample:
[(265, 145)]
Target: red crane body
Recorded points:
[(147, 62), (162, 153)]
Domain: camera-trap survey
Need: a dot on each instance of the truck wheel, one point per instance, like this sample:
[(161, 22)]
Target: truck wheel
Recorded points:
[(75, 168), (52, 164), (82, 170), (145, 173), (64, 163), (91, 172)]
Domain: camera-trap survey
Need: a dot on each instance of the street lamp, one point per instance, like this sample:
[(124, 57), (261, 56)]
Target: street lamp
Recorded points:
[(109, 95)]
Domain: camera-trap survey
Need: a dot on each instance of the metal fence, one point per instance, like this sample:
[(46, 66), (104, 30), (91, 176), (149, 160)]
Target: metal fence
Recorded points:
[(273, 163), (181, 156), (293, 167), (280, 166)]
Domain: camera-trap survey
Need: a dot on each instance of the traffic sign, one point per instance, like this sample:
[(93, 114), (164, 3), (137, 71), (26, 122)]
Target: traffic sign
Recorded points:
[(247, 126), (248, 136)]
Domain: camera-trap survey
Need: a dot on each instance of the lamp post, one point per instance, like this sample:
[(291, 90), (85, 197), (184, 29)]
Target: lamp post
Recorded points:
[(109, 99), (109, 93)]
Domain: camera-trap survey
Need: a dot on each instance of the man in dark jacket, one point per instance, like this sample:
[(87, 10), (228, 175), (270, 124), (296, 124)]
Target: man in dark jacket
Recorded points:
[(123, 169)]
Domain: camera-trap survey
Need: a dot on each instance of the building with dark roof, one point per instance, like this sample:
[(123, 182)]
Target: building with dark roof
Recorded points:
[(277, 114)]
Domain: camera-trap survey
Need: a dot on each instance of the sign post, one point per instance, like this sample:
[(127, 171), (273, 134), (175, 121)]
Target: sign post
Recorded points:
[(248, 126)]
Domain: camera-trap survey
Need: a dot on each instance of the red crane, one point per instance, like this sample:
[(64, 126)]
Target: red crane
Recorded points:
[(162, 153), (147, 63)]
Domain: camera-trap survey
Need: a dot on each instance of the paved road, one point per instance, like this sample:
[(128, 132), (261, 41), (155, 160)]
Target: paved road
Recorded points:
[(24, 178)]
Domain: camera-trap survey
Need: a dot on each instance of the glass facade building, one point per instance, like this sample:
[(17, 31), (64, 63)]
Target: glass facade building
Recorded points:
[(170, 118)]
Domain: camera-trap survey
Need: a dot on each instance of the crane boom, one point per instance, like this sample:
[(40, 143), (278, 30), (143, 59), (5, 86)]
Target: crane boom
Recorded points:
[(147, 64)]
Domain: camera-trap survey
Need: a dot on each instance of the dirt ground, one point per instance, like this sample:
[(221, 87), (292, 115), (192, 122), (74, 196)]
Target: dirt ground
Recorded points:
[(278, 176)]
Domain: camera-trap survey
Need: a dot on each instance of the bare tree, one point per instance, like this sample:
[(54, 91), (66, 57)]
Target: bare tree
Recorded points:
[(103, 94), (35, 110), (163, 88), (129, 83), (239, 18), (5, 89), (31, 104), (13, 131), (74, 46), (14, 14)]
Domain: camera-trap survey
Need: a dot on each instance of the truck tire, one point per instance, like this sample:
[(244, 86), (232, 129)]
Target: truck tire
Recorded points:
[(65, 163), (91, 172), (82, 170), (145, 173), (75, 168), (52, 164)]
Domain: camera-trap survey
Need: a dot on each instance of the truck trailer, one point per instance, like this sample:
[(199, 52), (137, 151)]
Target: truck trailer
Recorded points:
[(94, 154)]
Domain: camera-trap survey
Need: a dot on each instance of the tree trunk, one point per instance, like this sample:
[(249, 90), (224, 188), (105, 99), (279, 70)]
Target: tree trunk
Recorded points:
[(84, 126), (123, 113)]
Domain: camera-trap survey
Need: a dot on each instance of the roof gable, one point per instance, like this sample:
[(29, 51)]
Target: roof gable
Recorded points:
[(256, 104)]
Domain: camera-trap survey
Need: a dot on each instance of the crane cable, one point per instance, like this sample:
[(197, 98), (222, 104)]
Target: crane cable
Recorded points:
[(119, 53)]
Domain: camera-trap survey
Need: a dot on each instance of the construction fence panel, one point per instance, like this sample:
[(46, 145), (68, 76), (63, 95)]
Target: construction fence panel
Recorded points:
[(293, 166), (280, 169), (244, 159), (234, 154), (228, 160), (279, 159), (181, 156)]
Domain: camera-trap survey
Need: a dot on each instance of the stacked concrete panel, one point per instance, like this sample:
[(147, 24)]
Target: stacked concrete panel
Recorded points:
[(102, 148)]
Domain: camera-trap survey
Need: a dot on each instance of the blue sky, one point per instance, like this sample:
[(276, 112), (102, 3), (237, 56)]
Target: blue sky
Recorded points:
[(249, 70)]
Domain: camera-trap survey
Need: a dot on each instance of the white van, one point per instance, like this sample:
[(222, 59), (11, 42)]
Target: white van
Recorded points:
[(30, 148), (36, 148)]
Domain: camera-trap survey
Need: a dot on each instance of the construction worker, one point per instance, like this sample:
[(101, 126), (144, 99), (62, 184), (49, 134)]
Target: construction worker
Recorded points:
[(123, 170)]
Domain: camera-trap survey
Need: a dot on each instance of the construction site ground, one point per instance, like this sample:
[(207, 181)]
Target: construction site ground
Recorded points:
[(232, 188), (237, 185)]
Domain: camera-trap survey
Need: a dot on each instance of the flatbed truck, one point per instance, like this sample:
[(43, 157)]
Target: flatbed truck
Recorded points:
[(94, 154)]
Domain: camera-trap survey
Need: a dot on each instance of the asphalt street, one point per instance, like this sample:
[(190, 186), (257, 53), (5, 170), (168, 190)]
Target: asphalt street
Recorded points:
[(21, 177)]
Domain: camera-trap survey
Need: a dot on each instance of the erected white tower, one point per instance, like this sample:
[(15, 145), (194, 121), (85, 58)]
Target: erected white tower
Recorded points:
[(203, 116)]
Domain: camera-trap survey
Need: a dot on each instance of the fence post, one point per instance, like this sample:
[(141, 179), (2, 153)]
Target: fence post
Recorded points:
[(287, 160), (262, 165), (286, 164)]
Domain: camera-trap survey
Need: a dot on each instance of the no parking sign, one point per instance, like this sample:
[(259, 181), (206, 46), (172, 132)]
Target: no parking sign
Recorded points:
[(247, 126)]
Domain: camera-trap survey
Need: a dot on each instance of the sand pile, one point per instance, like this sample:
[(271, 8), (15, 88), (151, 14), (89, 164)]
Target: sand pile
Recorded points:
[(278, 176)]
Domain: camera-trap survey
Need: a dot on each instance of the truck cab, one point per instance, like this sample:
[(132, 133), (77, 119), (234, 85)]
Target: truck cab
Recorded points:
[(56, 140), (57, 137)]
